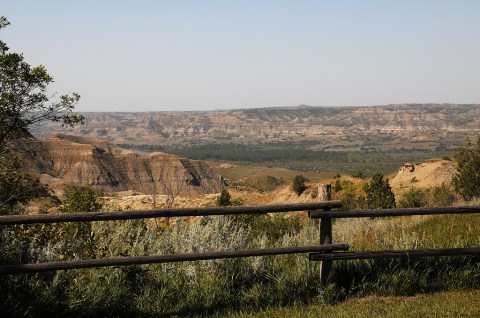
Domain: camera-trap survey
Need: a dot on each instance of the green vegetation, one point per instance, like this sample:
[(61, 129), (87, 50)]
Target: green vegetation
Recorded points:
[(24, 99), (412, 198), (378, 194), (224, 198), (80, 199), (267, 178), (299, 184), (17, 187), (445, 304), (220, 286), (467, 180), (79, 238), (300, 155)]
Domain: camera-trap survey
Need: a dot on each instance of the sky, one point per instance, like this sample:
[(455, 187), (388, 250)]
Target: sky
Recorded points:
[(206, 55)]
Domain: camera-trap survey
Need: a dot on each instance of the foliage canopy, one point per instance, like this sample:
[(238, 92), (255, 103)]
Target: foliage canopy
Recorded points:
[(413, 198), (224, 199), (467, 179), (24, 98), (16, 185), (299, 184), (378, 193)]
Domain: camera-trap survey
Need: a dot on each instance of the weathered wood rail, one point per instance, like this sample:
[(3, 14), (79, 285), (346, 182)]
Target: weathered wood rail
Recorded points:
[(158, 213), (326, 217), (138, 260), (326, 252), (8, 220)]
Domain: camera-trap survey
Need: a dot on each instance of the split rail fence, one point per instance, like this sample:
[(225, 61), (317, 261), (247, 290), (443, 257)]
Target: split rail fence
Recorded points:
[(326, 251)]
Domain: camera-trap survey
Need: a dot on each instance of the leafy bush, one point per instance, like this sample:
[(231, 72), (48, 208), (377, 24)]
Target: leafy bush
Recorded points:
[(299, 184), (378, 193), (412, 198), (441, 196), (17, 186), (467, 179)]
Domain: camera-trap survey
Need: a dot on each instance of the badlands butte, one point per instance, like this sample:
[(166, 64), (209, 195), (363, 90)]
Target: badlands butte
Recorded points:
[(439, 124), (94, 157)]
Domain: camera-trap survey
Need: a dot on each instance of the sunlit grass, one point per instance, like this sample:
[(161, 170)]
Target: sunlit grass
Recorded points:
[(445, 304)]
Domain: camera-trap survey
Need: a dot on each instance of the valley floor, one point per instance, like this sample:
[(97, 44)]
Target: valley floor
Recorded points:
[(444, 304)]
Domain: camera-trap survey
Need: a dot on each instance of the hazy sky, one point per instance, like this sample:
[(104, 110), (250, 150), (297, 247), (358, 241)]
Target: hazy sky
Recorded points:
[(202, 55)]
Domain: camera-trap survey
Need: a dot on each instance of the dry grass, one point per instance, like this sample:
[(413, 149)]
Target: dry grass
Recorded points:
[(445, 304)]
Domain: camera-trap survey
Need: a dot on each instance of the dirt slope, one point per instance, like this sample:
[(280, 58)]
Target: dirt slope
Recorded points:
[(62, 160), (427, 174)]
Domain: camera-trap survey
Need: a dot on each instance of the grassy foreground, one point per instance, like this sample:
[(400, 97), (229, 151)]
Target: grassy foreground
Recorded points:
[(445, 304)]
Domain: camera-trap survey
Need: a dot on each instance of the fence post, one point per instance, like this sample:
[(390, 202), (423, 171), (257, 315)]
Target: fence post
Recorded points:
[(325, 194)]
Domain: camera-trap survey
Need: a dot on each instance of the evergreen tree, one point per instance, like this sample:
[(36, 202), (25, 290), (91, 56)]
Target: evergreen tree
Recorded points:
[(299, 184), (378, 193), (467, 179), (224, 199)]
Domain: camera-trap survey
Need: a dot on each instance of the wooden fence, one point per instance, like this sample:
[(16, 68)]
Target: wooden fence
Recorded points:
[(325, 252)]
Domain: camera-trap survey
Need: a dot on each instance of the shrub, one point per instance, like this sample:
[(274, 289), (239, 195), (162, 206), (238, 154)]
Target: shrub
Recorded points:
[(467, 179), (299, 184), (442, 196), (224, 198), (412, 198), (378, 193)]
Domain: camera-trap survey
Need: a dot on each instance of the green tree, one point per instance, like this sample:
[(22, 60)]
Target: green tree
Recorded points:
[(378, 193), (24, 99), (79, 238), (467, 179), (359, 174), (299, 184), (17, 186), (224, 199), (23, 102), (441, 196), (338, 186), (348, 199), (80, 199), (412, 198)]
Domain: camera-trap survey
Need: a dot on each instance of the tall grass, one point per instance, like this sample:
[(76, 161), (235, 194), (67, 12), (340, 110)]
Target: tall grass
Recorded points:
[(196, 288)]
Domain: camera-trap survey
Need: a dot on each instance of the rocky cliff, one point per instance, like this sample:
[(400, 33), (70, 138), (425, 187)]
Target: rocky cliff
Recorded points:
[(63, 159), (271, 123), (427, 174)]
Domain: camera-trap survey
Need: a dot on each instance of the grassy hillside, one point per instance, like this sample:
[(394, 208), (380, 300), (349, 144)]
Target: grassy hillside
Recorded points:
[(266, 178), (445, 304), (299, 156)]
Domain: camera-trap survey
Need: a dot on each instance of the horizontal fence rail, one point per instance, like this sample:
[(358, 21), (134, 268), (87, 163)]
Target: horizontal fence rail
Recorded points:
[(177, 212), (394, 254), (326, 252), (138, 260), (393, 212)]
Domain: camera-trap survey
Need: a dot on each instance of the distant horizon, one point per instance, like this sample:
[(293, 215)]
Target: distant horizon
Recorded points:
[(211, 55), (281, 107)]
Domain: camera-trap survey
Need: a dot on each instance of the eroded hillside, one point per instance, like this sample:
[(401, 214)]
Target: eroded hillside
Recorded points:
[(411, 121), (63, 160)]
